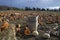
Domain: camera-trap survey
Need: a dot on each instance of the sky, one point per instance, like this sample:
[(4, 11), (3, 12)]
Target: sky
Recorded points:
[(31, 3)]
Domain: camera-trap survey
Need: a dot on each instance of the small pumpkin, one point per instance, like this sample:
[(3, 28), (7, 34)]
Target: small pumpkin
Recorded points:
[(12, 18), (27, 31), (35, 33)]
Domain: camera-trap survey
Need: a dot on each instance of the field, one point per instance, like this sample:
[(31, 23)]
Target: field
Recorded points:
[(50, 17), (47, 20)]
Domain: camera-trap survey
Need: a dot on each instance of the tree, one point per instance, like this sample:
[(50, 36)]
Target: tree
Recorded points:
[(28, 8), (38, 9), (55, 10), (47, 9), (33, 8), (59, 9), (42, 9)]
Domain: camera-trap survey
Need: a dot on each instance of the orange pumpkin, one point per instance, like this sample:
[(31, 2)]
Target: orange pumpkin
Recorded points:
[(5, 25), (27, 32), (12, 18)]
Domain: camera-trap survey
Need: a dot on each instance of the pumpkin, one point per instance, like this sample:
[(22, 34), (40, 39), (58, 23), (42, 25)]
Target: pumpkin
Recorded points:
[(5, 25), (27, 31), (35, 33), (46, 35), (12, 18)]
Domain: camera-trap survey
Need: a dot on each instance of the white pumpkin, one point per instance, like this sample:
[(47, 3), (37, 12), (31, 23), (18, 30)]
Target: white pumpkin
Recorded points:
[(35, 33), (46, 35)]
